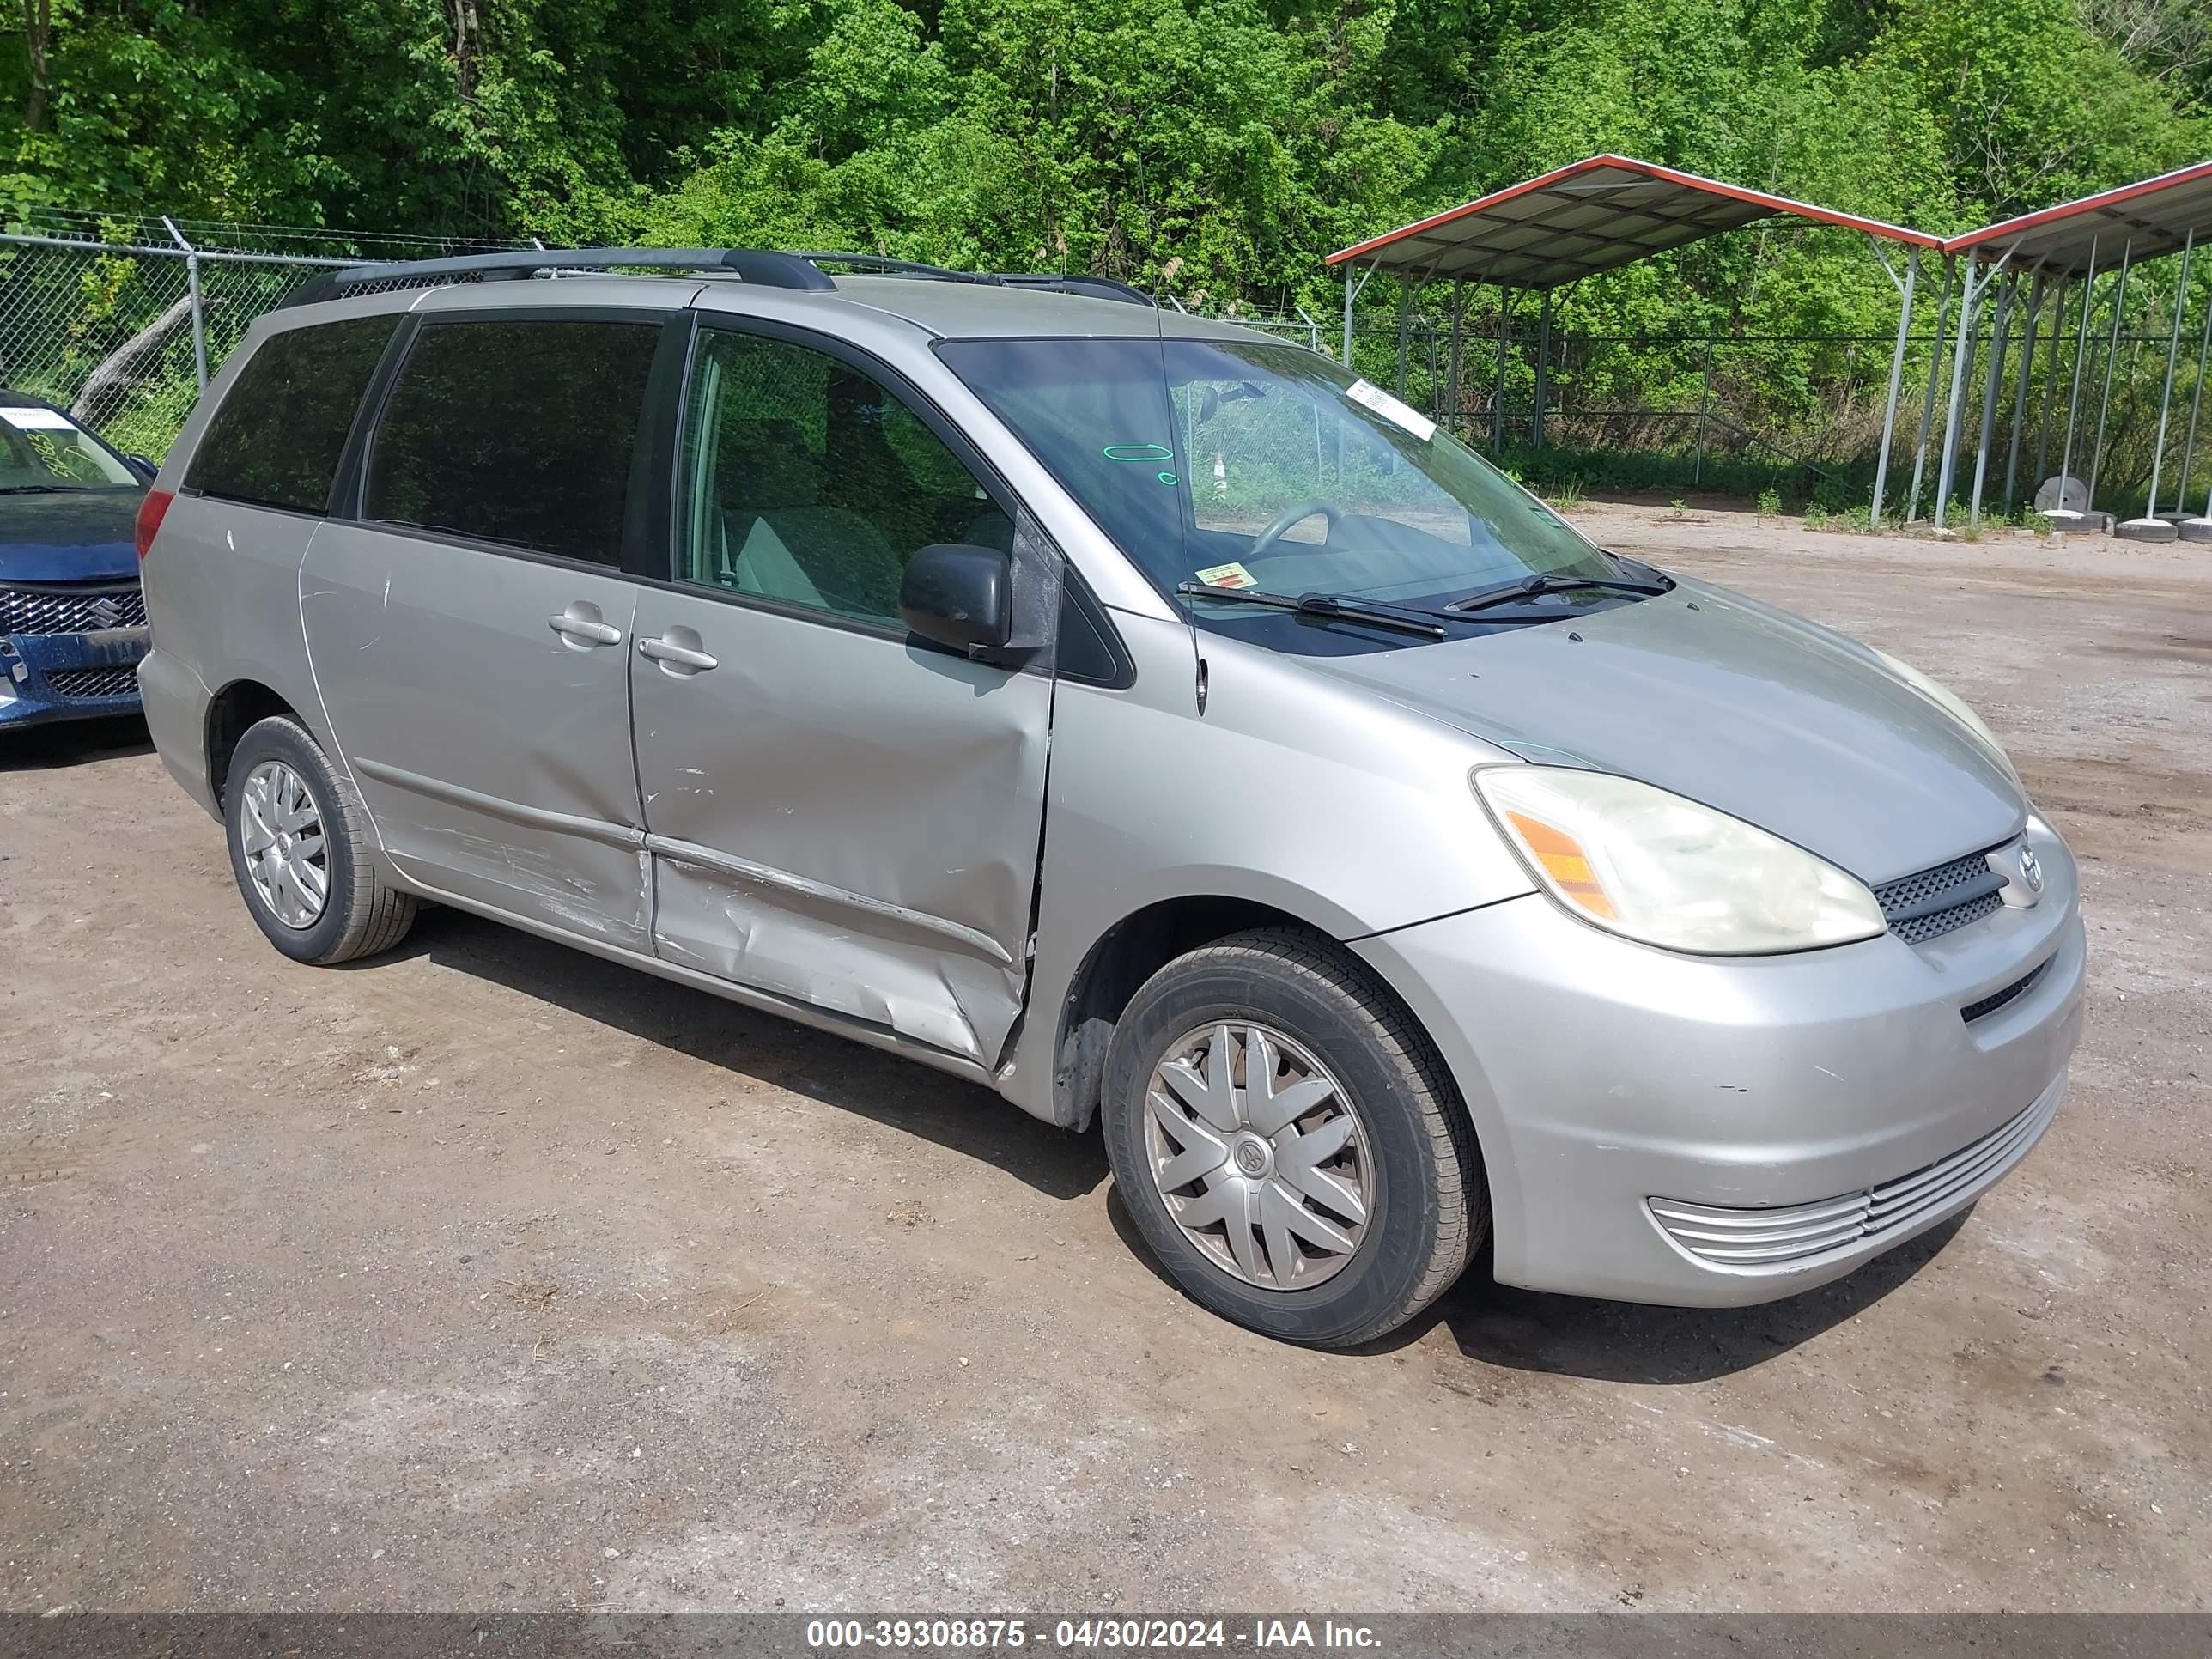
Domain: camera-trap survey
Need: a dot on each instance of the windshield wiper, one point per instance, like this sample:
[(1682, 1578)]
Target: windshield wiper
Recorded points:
[(38, 489), (1528, 587), (1326, 606)]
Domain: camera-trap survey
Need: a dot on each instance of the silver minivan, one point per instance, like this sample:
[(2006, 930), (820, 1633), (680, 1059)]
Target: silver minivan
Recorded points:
[(1138, 715)]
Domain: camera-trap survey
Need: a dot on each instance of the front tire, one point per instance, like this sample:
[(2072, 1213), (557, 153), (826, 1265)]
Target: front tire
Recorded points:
[(1288, 1141), (300, 849)]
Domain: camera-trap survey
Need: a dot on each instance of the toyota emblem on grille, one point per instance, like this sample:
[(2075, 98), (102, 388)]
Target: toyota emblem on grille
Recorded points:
[(2030, 872), (104, 613)]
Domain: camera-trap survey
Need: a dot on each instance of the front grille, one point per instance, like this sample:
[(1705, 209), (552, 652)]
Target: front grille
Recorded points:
[(1793, 1234), (1935, 902), (84, 684), (1997, 999), (70, 609)]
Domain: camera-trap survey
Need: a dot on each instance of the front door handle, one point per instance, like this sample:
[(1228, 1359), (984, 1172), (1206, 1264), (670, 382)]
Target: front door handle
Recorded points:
[(579, 625), (676, 657)]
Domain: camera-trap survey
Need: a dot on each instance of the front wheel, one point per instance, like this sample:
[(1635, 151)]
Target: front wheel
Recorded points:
[(1288, 1142)]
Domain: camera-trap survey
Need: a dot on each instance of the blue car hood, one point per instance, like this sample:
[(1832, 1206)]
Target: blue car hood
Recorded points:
[(74, 535), (1768, 717)]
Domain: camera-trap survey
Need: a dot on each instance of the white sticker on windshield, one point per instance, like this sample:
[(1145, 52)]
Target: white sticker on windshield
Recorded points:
[(1392, 410), (37, 419)]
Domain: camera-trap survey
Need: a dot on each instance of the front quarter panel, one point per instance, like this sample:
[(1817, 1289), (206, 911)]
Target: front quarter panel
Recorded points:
[(1291, 790)]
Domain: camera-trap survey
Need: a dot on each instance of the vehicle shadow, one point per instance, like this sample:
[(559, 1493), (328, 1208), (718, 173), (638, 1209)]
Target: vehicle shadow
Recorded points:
[(961, 1116), (73, 742), (1493, 1324), (1497, 1326)]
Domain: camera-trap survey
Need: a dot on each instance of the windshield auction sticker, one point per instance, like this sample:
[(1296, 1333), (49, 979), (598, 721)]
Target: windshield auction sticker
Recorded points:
[(37, 419), (1231, 574), (1393, 410)]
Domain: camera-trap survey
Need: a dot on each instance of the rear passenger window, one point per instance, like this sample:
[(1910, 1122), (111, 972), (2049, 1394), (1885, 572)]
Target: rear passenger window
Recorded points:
[(515, 432), (276, 440)]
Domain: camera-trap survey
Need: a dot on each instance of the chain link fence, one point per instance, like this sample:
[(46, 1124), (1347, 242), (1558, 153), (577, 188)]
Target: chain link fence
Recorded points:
[(123, 321)]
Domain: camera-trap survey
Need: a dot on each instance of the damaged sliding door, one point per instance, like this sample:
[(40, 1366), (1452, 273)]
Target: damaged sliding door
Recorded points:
[(837, 814)]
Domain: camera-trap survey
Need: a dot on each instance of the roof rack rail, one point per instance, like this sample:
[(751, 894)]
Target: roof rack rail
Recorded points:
[(766, 268), (1091, 287)]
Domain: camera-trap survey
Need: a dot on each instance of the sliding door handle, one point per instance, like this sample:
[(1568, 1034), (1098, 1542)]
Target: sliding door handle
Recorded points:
[(579, 625), (674, 657)]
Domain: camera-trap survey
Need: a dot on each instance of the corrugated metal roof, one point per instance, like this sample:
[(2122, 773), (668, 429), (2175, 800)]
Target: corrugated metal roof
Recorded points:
[(1597, 215), (2150, 217)]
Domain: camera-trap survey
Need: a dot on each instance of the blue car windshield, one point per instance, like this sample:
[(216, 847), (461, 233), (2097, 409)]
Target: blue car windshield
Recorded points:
[(42, 449), (1244, 464)]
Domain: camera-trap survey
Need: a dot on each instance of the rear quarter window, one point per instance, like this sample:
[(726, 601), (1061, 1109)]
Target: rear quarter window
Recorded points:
[(277, 439)]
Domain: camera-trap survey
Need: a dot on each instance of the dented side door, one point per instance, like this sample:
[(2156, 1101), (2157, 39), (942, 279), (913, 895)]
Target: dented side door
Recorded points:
[(841, 818)]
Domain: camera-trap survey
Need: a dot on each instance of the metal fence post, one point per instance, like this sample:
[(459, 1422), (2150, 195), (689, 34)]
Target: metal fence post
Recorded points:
[(1543, 372), (1705, 410), (199, 307)]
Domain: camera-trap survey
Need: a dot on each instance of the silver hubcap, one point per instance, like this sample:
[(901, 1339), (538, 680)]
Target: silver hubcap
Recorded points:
[(1260, 1155), (282, 834)]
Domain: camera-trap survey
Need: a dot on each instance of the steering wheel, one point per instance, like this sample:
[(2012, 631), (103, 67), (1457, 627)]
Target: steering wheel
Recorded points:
[(1297, 513)]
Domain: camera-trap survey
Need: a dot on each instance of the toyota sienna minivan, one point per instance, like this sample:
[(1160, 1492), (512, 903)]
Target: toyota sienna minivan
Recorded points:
[(1140, 716)]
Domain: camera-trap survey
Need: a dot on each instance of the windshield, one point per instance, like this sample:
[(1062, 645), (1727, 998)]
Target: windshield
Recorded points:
[(44, 449), (1241, 464)]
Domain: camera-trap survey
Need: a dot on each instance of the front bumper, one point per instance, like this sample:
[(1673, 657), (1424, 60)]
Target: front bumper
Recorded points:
[(68, 677), (1843, 1085)]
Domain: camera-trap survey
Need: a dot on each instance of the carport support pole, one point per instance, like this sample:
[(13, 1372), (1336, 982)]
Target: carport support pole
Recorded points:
[(2051, 383), (1969, 294), (2020, 389), (2111, 357), (1458, 346), (1498, 395), (2074, 393), (1928, 402), (1704, 410), (1896, 369), (1351, 291), (2172, 346), (1543, 373), (1405, 322), (1990, 382), (2196, 401)]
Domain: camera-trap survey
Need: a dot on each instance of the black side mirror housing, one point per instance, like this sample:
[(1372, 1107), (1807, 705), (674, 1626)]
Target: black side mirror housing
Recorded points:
[(143, 466), (960, 595)]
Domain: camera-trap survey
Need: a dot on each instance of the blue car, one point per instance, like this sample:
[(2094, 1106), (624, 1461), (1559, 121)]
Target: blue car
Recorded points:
[(72, 619)]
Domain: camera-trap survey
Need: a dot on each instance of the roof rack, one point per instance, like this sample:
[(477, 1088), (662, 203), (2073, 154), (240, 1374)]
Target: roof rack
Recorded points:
[(766, 268)]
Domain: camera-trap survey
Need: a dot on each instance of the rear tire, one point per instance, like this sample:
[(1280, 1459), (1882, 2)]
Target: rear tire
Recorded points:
[(1399, 1179), (300, 848)]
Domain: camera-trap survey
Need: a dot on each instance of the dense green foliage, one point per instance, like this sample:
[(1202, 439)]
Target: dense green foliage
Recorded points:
[(1213, 148)]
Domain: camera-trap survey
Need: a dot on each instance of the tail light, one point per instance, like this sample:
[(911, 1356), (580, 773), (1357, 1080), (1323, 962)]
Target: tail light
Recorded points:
[(151, 512)]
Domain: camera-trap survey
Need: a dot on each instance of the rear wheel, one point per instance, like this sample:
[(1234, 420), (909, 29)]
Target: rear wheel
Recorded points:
[(299, 847), (1286, 1139)]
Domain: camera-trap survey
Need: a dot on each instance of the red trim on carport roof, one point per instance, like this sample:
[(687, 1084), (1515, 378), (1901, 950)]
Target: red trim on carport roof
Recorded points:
[(2113, 198), (1711, 186)]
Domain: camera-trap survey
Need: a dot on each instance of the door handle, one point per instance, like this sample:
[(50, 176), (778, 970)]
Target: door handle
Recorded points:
[(581, 624), (676, 659)]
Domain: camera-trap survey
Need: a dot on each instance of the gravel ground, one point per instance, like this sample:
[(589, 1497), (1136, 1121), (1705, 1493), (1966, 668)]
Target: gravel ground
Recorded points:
[(489, 1275)]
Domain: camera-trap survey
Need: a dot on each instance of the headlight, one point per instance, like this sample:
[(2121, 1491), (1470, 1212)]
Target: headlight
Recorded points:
[(1638, 861), (1953, 705)]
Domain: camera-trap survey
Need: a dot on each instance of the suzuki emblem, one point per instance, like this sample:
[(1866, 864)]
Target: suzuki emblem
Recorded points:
[(106, 613)]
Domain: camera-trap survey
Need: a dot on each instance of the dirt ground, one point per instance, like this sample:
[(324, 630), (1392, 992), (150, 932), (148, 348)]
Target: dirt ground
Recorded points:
[(489, 1275)]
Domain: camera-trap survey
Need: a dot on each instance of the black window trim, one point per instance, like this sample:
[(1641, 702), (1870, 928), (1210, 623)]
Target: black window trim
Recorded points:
[(349, 494), (1002, 494)]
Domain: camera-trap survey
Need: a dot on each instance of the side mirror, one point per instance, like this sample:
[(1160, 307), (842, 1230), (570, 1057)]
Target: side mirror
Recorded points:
[(960, 596), (144, 467)]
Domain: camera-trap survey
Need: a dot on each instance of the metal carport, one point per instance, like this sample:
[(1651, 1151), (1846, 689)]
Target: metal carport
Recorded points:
[(1595, 215)]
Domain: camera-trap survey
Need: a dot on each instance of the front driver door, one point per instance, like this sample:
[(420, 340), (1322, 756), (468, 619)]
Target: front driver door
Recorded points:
[(838, 814)]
